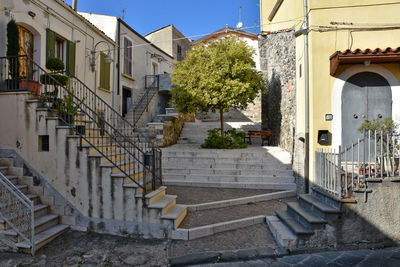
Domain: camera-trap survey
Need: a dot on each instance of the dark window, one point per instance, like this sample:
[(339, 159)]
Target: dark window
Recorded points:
[(44, 143), (127, 57), (179, 53)]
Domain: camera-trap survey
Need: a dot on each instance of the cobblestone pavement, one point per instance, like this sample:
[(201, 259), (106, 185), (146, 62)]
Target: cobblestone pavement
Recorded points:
[(197, 195), (389, 257), (205, 217)]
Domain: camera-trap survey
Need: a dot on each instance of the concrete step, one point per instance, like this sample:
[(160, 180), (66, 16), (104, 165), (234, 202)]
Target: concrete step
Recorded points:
[(219, 165), (177, 213), (282, 234), (305, 216), (215, 160), (234, 172), (44, 237), (248, 185), (40, 210), (165, 204), (228, 178), (295, 226), (314, 204)]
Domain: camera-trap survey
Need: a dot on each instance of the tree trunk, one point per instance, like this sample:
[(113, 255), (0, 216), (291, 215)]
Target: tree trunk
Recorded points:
[(221, 118)]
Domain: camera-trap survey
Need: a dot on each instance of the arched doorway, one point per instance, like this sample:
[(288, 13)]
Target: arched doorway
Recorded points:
[(365, 96)]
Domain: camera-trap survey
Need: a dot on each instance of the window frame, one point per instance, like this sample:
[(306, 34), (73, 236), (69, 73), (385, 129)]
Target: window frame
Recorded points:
[(128, 57)]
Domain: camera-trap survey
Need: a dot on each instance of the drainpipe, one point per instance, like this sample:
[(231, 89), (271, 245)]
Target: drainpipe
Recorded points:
[(307, 123), (118, 54)]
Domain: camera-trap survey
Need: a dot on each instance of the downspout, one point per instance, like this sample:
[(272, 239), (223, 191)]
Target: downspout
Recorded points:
[(118, 54), (306, 82)]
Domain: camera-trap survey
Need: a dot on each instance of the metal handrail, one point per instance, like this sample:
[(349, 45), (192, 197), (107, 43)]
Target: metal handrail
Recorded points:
[(340, 172), (22, 198), (131, 156), (146, 98)]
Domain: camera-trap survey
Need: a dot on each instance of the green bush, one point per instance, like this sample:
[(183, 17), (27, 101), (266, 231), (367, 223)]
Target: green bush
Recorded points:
[(13, 48), (232, 139), (54, 64), (58, 79), (385, 125)]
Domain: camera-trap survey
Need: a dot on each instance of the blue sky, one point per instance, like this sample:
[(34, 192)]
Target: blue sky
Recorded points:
[(189, 16)]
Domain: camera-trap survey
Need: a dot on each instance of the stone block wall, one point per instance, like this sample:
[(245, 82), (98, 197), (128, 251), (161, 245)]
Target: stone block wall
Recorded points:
[(278, 65), (172, 130)]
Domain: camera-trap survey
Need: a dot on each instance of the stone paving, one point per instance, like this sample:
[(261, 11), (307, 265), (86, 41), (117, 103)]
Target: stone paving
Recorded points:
[(234, 248), (389, 257)]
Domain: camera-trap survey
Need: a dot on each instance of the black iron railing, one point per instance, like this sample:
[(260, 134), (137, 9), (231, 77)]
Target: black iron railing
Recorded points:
[(91, 118), (142, 105)]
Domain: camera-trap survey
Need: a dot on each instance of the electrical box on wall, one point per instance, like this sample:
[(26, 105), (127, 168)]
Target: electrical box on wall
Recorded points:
[(323, 137)]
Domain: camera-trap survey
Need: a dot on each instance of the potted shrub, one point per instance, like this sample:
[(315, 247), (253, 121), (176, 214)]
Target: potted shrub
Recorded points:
[(55, 78), (67, 109), (12, 52)]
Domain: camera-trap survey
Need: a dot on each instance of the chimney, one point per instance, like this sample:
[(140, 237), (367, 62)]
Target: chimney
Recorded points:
[(75, 4)]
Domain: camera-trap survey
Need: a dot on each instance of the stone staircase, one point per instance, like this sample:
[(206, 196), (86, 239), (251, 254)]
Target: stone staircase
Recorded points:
[(48, 217), (106, 199), (309, 222), (253, 168)]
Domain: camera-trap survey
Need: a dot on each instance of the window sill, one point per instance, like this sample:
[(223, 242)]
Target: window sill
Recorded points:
[(129, 77), (104, 90)]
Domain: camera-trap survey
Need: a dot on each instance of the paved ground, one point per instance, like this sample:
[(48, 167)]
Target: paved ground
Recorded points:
[(75, 249), (232, 249), (205, 217), (360, 258), (197, 195), (251, 237)]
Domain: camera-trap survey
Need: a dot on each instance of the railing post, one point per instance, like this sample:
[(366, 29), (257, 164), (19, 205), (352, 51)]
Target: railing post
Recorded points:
[(339, 173)]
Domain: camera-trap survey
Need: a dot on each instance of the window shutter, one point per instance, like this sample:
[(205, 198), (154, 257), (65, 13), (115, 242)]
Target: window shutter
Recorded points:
[(104, 72), (50, 44), (71, 48)]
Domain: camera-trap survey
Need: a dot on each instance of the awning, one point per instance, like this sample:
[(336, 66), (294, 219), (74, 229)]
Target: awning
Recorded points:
[(359, 56)]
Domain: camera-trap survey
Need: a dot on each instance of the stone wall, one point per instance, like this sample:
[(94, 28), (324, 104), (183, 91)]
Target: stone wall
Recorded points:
[(278, 65), (172, 130)]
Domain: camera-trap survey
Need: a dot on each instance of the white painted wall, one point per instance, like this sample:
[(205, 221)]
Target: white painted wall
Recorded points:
[(63, 20), (142, 60)]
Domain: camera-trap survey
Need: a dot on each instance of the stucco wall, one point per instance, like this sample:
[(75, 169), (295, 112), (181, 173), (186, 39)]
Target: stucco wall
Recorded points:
[(103, 203), (68, 24)]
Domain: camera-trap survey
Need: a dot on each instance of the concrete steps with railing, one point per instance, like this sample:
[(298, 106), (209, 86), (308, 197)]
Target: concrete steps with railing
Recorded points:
[(47, 225)]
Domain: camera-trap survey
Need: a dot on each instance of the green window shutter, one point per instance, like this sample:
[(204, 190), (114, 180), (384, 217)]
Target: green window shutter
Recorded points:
[(71, 48), (50, 44), (104, 72)]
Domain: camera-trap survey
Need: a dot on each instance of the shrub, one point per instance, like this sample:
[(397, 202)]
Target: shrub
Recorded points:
[(58, 79), (231, 139), (54, 64)]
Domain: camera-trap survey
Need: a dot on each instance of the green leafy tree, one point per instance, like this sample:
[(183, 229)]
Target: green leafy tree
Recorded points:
[(217, 76)]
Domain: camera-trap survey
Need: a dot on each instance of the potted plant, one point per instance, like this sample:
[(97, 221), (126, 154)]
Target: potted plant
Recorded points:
[(385, 129), (55, 78), (12, 53), (67, 109)]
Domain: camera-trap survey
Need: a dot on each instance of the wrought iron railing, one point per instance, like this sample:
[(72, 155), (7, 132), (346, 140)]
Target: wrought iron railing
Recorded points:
[(94, 121), (142, 105), (17, 211), (342, 171)]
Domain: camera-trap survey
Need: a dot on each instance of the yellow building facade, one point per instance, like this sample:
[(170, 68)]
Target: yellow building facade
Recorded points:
[(350, 27)]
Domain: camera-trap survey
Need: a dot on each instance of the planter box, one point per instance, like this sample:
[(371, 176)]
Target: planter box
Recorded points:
[(30, 85)]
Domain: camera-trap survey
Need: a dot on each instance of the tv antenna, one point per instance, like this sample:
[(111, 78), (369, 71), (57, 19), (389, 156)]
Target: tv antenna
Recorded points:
[(240, 23), (123, 13)]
